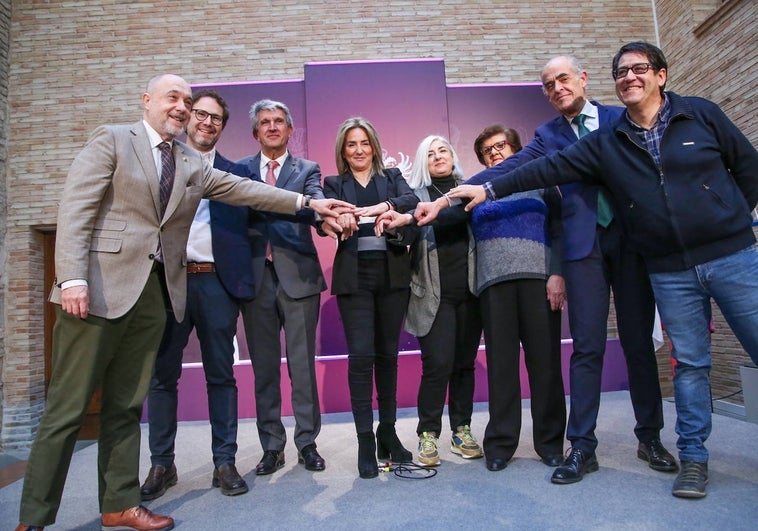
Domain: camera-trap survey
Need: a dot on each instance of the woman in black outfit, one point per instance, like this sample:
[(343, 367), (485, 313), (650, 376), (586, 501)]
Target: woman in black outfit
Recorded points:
[(370, 278)]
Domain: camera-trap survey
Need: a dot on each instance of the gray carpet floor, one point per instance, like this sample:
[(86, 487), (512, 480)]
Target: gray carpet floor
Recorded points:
[(623, 495)]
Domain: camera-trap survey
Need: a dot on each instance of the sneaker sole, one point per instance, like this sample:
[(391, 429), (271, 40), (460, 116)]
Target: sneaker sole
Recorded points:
[(464, 455), (429, 462)]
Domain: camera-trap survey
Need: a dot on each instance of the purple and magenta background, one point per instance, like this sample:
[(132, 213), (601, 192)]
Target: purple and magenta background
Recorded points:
[(406, 100)]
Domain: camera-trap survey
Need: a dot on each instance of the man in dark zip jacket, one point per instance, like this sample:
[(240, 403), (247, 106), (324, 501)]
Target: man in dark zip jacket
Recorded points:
[(683, 181)]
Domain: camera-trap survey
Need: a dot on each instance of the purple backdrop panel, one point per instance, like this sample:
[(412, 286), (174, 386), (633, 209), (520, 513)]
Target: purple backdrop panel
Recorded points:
[(404, 100), (473, 107), (334, 395), (237, 139)]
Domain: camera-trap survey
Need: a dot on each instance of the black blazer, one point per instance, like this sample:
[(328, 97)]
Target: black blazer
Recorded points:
[(391, 185)]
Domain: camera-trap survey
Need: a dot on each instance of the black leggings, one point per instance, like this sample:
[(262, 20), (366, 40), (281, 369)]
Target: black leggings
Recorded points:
[(372, 317)]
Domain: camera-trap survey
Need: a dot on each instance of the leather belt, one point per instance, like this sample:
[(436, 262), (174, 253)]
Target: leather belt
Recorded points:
[(201, 267)]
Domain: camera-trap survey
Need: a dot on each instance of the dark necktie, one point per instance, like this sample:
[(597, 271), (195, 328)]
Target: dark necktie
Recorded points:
[(168, 169), (604, 211), (270, 179)]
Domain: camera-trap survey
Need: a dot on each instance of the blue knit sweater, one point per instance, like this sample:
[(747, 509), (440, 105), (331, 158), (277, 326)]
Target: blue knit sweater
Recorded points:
[(514, 239)]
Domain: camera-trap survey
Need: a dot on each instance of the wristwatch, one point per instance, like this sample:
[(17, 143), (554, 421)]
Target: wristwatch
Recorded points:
[(306, 201)]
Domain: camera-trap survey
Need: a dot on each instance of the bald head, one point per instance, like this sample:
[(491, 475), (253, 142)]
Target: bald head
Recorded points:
[(564, 82), (167, 102)]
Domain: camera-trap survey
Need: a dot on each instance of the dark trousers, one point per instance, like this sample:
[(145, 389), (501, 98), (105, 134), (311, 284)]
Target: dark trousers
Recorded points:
[(265, 316), (117, 354), (513, 311), (611, 265), (448, 354), (213, 313), (372, 318)]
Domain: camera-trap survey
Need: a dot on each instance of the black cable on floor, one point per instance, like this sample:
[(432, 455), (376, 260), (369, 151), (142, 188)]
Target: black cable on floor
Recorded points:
[(409, 470)]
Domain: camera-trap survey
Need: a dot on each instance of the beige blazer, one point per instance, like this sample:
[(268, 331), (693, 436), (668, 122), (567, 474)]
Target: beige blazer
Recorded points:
[(109, 229)]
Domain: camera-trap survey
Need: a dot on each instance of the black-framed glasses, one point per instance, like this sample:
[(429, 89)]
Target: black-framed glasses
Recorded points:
[(201, 115), (637, 69), (498, 146)]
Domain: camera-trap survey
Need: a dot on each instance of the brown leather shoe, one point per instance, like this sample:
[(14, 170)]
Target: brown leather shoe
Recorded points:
[(227, 477), (158, 480), (24, 527), (138, 518)]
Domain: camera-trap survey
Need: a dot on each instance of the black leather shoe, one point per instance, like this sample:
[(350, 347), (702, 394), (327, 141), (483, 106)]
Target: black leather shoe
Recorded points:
[(657, 456), (552, 460), (157, 482), (496, 464), (271, 461), (227, 477), (309, 457), (574, 467), (691, 481)]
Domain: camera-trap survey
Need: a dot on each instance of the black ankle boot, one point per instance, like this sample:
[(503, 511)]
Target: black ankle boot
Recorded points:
[(367, 467), (389, 446)]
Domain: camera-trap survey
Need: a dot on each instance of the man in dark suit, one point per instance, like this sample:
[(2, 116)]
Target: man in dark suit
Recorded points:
[(220, 276), (123, 222), (597, 258), (288, 284)]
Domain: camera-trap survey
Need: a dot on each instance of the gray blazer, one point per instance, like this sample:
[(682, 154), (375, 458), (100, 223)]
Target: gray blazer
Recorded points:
[(109, 227), (295, 259), (425, 272)]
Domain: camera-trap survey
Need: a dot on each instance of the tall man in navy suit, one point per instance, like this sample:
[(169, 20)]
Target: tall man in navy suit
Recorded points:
[(288, 284), (597, 258), (219, 278)]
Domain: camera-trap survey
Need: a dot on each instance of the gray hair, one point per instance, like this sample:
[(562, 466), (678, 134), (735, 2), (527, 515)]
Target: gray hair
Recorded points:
[(420, 177), (268, 105)]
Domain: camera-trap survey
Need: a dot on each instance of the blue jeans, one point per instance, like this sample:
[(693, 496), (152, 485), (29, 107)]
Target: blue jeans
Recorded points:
[(684, 303)]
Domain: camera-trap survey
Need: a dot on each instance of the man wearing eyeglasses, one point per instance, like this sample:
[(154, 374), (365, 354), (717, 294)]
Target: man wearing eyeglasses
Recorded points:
[(684, 181), (219, 278)]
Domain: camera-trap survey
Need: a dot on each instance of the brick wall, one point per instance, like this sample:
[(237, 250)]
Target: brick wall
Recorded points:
[(5, 19), (75, 65)]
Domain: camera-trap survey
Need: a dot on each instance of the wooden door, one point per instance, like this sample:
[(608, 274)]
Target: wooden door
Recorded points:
[(92, 420)]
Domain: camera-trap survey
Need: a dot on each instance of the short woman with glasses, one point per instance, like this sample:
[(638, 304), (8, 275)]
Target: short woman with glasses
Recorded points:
[(521, 293)]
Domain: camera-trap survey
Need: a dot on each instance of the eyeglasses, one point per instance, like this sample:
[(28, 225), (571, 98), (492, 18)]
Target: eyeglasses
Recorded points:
[(499, 146), (637, 69), (201, 115)]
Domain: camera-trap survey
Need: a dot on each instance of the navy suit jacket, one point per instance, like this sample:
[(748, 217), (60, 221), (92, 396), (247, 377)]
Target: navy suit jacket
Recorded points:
[(294, 254), (579, 204), (232, 252)]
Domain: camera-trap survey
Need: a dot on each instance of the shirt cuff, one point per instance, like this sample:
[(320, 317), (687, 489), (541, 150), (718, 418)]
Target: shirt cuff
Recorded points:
[(489, 191), (72, 283)]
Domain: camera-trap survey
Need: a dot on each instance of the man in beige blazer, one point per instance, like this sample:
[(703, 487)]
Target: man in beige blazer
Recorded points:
[(115, 259)]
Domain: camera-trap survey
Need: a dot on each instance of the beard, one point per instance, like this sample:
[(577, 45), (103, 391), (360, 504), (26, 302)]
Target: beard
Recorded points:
[(171, 129)]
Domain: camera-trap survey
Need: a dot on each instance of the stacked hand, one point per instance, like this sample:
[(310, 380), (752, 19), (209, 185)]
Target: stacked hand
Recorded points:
[(331, 211), (391, 219), (426, 212)]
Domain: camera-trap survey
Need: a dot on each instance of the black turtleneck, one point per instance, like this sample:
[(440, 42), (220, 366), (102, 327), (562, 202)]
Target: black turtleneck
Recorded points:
[(452, 245)]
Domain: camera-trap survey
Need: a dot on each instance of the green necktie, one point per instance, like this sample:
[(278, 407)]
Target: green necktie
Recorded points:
[(604, 211)]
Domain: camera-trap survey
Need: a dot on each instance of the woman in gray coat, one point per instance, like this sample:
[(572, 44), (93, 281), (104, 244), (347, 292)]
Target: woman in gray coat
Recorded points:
[(442, 311)]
